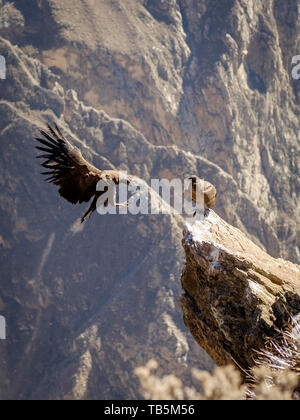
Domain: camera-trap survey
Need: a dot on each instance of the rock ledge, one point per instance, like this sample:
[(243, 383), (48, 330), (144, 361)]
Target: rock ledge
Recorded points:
[(236, 295)]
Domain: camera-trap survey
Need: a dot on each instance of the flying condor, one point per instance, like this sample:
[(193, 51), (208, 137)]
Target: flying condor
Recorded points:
[(76, 178)]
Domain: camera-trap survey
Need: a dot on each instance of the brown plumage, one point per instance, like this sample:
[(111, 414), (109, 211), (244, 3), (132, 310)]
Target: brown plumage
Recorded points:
[(204, 188), (76, 178)]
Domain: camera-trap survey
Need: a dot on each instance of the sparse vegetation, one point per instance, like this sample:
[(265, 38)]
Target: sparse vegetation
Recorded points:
[(275, 377)]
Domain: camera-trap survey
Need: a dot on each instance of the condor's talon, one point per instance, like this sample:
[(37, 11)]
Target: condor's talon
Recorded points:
[(121, 204)]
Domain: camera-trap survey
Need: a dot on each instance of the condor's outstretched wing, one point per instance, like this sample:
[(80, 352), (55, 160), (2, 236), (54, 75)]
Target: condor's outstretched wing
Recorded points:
[(76, 178)]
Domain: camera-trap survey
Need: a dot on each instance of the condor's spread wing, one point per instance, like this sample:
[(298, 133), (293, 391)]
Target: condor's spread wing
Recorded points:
[(76, 178)]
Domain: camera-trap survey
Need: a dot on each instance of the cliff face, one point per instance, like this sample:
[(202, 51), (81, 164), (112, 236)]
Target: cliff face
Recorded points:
[(237, 298), (161, 89), (84, 304), (211, 77)]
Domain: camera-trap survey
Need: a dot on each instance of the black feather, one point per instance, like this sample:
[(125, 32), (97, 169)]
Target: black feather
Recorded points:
[(42, 157), (47, 143), (53, 132), (43, 149), (54, 142), (47, 173), (59, 132)]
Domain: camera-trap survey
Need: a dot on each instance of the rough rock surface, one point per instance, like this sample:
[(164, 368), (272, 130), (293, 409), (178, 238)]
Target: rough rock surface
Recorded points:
[(237, 296)]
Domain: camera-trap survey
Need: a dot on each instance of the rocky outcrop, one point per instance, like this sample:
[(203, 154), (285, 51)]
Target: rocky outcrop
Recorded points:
[(237, 297)]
